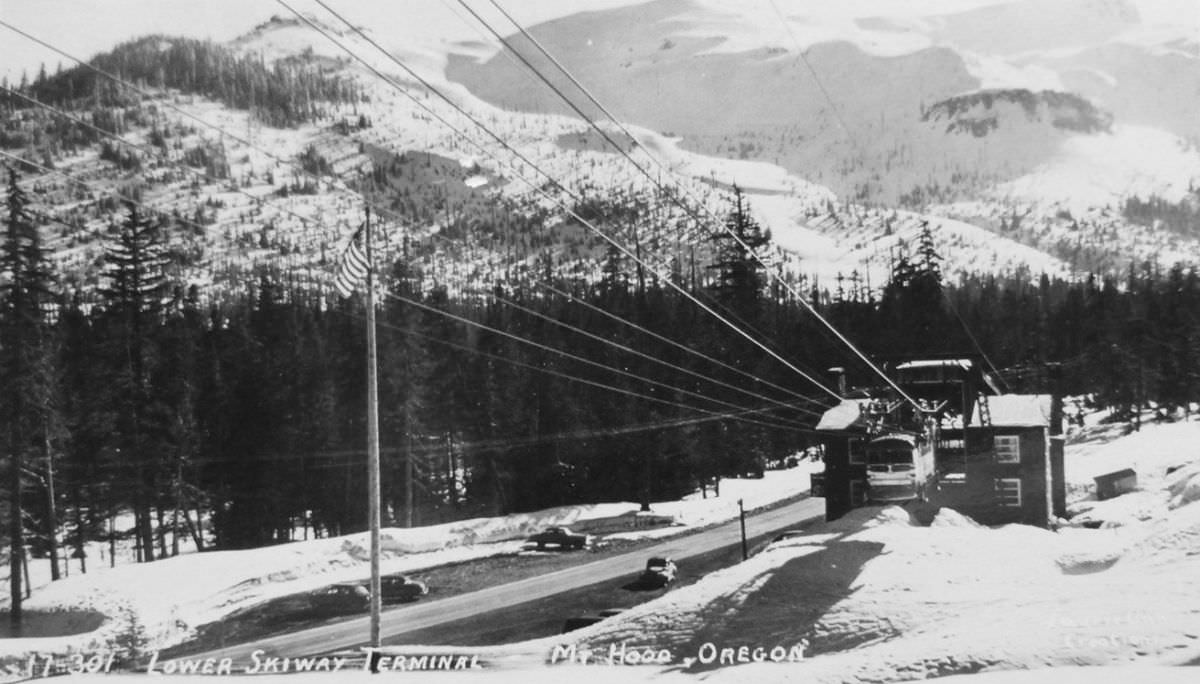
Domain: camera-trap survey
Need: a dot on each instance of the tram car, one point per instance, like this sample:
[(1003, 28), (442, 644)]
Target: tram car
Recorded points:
[(900, 467)]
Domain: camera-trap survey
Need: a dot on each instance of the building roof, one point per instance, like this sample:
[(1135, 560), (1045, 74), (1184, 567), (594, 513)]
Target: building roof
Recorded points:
[(910, 440), (964, 364), (1006, 410), (1019, 410), (844, 416), (1114, 476)]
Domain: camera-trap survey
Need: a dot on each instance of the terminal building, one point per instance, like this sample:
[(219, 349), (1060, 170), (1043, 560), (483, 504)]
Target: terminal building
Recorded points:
[(995, 457)]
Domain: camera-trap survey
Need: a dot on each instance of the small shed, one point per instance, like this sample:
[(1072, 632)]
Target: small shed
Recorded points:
[(1115, 484)]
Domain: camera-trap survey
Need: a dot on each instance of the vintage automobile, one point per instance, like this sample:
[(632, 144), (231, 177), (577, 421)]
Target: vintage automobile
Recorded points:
[(401, 589), (659, 572), (341, 599), (560, 537)]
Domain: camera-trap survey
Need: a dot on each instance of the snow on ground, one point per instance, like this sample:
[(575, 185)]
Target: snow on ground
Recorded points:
[(696, 510), (876, 597), (174, 596)]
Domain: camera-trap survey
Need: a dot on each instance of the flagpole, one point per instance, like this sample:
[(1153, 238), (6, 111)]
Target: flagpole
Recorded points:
[(373, 514)]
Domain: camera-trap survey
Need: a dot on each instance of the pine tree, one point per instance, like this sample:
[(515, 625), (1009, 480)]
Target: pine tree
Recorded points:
[(136, 273), (23, 294), (403, 388), (740, 276)]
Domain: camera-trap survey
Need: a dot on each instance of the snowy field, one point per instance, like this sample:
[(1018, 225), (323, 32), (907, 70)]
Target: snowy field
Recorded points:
[(172, 597)]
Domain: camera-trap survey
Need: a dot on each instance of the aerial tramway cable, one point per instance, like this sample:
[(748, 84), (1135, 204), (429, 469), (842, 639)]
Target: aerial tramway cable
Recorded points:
[(812, 310), (211, 126), (536, 188)]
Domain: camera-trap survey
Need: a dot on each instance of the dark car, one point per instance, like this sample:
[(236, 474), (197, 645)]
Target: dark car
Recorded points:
[(561, 537), (401, 589), (659, 572), (341, 599)]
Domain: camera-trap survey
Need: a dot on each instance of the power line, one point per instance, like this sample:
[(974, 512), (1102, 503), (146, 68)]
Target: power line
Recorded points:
[(816, 79), (727, 228), (145, 148), (207, 124), (671, 196), (559, 352), (444, 313), (713, 415), (537, 189), (74, 179), (626, 348), (150, 150), (328, 178), (678, 345)]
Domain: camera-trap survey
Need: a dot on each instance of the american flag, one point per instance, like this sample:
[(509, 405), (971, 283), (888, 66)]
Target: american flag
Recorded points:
[(352, 268)]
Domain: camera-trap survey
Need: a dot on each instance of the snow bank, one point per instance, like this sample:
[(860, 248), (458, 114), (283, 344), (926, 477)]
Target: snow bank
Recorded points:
[(1151, 451), (172, 597)]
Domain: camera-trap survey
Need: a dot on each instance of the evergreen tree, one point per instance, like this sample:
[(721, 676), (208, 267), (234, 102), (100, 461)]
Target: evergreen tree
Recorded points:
[(740, 276), (135, 270), (24, 291)]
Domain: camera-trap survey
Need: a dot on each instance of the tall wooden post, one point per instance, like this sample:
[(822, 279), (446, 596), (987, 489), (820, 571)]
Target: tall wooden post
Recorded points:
[(742, 518), (373, 515)]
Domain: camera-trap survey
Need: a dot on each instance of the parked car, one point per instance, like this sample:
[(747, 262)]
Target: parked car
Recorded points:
[(659, 572), (561, 537), (341, 599), (401, 589)]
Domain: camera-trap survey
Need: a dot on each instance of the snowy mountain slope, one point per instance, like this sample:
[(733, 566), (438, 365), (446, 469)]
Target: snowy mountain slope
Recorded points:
[(751, 117), (661, 64)]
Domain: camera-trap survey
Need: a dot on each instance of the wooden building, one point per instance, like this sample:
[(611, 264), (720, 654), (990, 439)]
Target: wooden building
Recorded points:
[(1008, 469), (998, 457)]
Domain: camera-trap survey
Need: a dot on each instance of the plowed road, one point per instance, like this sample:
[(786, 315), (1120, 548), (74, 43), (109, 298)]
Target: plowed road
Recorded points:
[(398, 621)]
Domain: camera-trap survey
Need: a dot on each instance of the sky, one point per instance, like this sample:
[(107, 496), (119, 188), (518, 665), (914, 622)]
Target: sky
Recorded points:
[(83, 28)]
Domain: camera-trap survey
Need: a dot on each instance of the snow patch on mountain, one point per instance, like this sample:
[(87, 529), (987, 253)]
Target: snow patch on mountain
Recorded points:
[(1098, 170)]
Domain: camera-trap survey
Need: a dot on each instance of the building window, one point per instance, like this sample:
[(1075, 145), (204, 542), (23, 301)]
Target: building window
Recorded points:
[(1008, 449), (858, 493), (858, 451), (1008, 491)]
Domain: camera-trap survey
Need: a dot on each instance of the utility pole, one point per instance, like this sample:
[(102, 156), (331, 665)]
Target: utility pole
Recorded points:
[(373, 514), (742, 517)]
